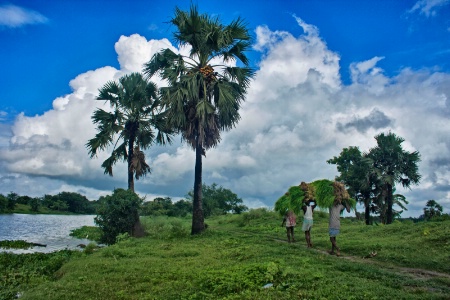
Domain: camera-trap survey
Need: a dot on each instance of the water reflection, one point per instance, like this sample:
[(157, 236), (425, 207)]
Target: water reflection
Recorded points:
[(50, 230)]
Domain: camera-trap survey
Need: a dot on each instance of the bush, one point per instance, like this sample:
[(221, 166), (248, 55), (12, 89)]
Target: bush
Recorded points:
[(118, 214)]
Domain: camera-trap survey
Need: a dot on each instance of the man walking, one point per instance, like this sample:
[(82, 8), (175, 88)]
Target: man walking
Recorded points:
[(334, 225), (308, 209), (290, 221)]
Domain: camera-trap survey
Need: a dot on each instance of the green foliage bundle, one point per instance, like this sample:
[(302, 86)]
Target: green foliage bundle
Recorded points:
[(292, 200), (324, 192), (327, 191), (117, 214)]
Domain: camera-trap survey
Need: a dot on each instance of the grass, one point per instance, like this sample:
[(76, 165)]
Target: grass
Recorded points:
[(239, 255)]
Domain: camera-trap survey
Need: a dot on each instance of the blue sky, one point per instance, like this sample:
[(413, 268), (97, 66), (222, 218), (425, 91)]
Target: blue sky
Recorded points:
[(75, 36), (335, 71)]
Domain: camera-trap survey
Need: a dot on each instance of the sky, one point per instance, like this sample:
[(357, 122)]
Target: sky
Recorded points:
[(328, 75)]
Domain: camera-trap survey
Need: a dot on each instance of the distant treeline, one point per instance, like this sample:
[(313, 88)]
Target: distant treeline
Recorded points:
[(216, 201), (67, 202)]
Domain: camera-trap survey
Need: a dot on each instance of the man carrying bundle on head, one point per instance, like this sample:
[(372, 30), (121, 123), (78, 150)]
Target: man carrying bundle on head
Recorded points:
[(334, 225), (333, 195), (308, 209)]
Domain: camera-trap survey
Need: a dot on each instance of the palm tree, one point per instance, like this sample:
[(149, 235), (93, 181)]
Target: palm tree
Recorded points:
[(432, 209), (391, 165), (130, 126), (203, 98), (380, 207)]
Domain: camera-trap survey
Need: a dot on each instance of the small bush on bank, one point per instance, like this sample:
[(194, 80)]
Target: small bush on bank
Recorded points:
[(117, 214)]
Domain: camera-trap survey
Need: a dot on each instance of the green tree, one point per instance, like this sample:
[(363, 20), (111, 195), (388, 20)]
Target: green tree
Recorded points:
[(391, 165), (131, 125), (203, 97), (432, 209), (118, 213), (355, 173), (158, 207), (3, 203), (25, 200), (76, 202), (59, 205), (182, 208), (12, 200), (166, 207), (218, 200), (48, 200), (34, 203)]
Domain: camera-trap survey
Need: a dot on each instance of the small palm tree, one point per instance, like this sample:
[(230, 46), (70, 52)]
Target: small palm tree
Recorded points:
[(432, 209), (203, 98), (391, 165), (130, 126)]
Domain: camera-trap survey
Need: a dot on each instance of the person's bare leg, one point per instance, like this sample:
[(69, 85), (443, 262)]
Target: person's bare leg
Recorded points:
[(333, 244), (309, 239)]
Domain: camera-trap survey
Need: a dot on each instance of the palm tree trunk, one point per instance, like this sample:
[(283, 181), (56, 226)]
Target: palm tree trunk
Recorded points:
[(389, 202), (367, 211), (129, 160), (198, 224)]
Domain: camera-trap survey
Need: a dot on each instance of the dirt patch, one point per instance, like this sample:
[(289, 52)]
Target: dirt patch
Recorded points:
[(421, 273)]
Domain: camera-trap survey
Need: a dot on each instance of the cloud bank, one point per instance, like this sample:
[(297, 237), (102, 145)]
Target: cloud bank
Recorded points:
[(297, 115)]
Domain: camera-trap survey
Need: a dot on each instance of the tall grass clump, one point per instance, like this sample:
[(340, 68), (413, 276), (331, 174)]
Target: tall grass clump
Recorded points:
[(165, 227)]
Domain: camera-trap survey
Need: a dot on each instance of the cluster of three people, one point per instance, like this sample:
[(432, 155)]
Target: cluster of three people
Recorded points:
[(308, 207)]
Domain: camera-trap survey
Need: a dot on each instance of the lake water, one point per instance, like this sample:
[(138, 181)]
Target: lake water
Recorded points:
[(50, 230)]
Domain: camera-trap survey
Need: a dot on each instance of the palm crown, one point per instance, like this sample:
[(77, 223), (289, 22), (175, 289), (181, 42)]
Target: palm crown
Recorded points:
[(130, 126), (203, 98)]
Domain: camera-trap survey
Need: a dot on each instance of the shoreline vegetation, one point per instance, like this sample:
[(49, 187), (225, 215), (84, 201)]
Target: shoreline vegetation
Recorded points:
[(243, 256)]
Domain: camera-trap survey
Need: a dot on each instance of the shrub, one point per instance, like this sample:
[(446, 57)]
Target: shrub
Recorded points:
[(118, 214)]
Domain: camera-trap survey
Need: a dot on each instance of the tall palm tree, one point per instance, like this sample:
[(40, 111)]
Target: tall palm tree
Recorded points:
[(203, 98), (130, 126), (391, 165)]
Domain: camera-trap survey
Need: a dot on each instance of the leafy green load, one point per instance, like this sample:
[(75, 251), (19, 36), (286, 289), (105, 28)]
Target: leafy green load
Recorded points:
[(292, 200), (327, 191)]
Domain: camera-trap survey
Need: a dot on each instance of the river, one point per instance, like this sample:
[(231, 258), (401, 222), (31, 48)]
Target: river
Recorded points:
[(50, 230)]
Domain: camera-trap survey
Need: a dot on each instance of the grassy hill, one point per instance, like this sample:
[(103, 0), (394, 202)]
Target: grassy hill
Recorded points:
[(246, 257)]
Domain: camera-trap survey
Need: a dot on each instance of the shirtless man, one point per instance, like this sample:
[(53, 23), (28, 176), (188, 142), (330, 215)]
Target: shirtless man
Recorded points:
[(335, 224)]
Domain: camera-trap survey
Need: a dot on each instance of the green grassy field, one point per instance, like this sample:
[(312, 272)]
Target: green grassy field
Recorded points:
[(239, 256)]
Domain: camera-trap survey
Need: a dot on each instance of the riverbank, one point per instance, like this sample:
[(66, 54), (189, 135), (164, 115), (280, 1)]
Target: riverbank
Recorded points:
[(247, 257)]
